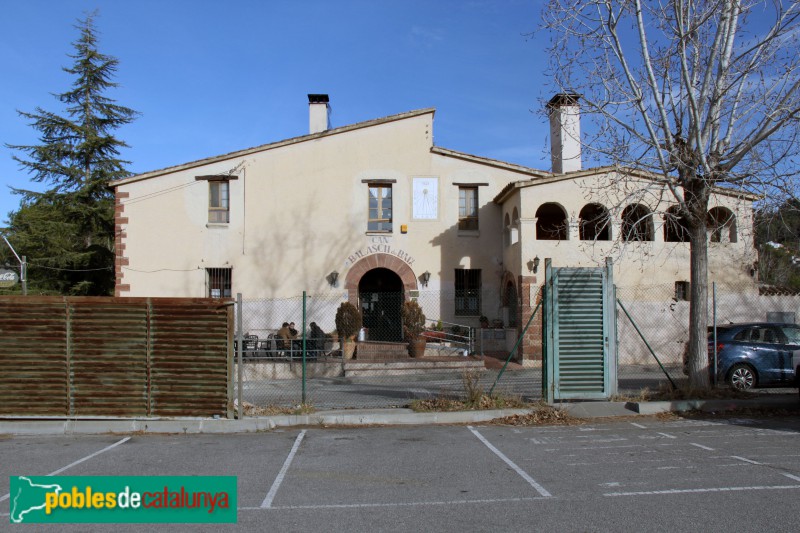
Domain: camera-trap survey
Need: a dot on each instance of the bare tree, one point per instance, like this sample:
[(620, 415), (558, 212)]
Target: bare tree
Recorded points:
[(704, 94)]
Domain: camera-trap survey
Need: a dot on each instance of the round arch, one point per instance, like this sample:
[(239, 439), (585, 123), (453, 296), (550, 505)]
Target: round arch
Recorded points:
[(387, 261), (551, 222)]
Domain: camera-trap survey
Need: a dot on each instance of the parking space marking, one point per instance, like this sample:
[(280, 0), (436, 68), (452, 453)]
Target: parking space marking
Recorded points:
[(702, 447), (524, 475), (695, 491), (638, 425), (79, 461), (745, 460), (667, 435), (389, 504), (790, 476), (267, 503)]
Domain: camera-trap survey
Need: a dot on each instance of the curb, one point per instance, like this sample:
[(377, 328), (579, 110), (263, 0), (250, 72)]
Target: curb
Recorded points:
[(378, 417), (369, 417), (680, 406)]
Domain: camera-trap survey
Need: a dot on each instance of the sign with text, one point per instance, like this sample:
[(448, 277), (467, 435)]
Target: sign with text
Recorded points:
[(122, 499)]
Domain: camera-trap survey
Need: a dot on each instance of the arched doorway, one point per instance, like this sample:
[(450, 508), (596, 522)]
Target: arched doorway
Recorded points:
[(380, 295)]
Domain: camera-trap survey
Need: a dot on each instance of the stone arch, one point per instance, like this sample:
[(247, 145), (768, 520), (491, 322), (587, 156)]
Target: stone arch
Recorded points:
[(721, 224), (676, 228), (594, 223), (637, 223), (388, 261), (551, 222)]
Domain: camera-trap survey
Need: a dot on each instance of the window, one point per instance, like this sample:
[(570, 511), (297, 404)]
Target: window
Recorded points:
[(551, 223), (218, 211), (637, 224), (682, 291), (722, 225), (467, 208), (380, 208), (218, 281), (676, 228), (594, 223), (468, 292)]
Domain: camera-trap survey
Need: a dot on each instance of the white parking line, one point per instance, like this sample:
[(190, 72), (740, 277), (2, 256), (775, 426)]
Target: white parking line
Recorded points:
[(267, 503), (389, 504), (693, 491), (667, 435), (524, 475), (79, 461), (638, 425), (790, 476), (701, 446), (745, 460)]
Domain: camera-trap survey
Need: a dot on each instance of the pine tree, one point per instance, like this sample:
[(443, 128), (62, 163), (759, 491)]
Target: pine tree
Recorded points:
[(67, 231)]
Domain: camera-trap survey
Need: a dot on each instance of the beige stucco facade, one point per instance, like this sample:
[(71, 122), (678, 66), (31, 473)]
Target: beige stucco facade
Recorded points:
[(298, 211)]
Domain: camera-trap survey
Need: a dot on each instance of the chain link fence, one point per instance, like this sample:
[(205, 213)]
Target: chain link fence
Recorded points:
[(653, 327), (292, 355)]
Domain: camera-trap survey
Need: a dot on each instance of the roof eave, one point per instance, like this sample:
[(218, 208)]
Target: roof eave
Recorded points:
[(272, 146)]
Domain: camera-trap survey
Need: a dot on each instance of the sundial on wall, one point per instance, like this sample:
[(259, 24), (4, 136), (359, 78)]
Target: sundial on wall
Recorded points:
[(425, 198)]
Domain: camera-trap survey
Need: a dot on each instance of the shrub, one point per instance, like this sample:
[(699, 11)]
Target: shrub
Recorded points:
[(413, 320), (348, 320)]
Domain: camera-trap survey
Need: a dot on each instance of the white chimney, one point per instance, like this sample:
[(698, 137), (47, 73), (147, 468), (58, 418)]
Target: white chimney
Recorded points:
[(565, 133), (318, 112)]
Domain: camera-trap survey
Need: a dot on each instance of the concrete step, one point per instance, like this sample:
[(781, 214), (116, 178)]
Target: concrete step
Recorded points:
[(381, 351), (355, 368)]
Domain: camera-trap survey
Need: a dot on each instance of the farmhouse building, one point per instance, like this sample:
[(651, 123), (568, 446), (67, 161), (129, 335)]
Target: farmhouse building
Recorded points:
[(376, 212)]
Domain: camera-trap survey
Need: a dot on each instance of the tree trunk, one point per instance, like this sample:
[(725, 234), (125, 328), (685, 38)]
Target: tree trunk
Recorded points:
[(698, 306)]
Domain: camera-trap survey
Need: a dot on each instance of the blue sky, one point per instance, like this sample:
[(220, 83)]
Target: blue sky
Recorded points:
[(210, 77)]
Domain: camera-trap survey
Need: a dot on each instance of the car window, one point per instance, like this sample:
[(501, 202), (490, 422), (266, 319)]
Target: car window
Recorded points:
[(792, 334), (757, 334), (768, 336)]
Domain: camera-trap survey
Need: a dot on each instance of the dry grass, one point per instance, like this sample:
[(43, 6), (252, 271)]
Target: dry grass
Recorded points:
[(666, 393), (272, 410), (484, 402), (475, 399), (541, 415)]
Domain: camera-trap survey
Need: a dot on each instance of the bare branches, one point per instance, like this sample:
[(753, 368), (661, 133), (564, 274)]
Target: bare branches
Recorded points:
[(685, 88)]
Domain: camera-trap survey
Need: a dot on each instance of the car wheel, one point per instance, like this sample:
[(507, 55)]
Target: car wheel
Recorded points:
[(742, 377)]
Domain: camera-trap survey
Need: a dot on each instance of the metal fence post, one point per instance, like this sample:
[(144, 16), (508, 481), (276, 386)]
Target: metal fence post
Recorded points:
[(714, 318), (304, 348), (239, 408)]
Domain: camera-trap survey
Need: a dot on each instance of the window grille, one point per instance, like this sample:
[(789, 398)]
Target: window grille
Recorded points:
[(682, 291), (218, 281), (468, 292)]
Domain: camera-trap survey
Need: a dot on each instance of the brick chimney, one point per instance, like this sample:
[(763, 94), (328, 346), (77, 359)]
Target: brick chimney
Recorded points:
[(318, 113), (565, 133)]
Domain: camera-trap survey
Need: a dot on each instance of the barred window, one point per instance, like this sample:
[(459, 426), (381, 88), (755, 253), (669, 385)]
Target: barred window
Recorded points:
[(468, 208), (468, 292), (218, 211), (380, 208), (218, 281)]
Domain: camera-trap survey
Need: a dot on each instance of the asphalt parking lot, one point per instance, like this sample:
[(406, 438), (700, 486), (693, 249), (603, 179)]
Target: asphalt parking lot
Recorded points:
[(642, 474)]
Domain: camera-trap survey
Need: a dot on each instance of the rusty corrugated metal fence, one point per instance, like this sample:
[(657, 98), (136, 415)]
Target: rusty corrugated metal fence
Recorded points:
[(129, 357)]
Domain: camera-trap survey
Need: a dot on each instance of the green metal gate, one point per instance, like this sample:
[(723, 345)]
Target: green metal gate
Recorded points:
[(580, 333)]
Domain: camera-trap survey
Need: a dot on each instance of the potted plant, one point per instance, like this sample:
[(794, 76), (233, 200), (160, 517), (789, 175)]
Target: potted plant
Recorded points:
[(348, 323), (413, 327)]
